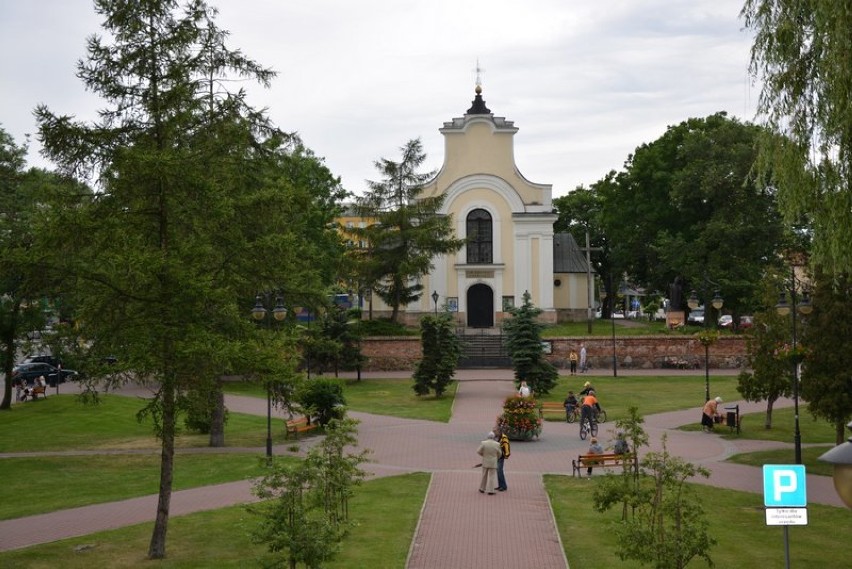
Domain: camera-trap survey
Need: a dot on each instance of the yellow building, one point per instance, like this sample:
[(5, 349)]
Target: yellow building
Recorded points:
[(507, 221)]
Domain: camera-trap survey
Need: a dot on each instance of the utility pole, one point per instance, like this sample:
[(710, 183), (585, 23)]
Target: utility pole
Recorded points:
[(589, 311)]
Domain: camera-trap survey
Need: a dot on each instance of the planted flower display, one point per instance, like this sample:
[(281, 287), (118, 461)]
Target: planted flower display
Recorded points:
[(520, 419)]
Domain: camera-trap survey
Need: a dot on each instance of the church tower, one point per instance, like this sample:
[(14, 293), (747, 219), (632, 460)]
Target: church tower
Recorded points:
[(506, 219)]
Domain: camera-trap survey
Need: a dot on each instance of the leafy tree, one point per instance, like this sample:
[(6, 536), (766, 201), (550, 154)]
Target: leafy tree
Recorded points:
[(767, 377), (27, 262), (685, 205), (404, 230), (441, 352), (827, 371), (198, 206), (801, 56), (667, 528), (305, 511), (523, 340)]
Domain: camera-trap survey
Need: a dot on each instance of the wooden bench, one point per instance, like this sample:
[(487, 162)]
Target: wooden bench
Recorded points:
[(38, 390), (601, 461), (551, 407), (300, 425)]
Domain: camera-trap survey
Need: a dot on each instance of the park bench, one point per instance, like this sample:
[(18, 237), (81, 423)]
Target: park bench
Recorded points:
[(552, 407), (601, 461), (300, 425), (38, 390)]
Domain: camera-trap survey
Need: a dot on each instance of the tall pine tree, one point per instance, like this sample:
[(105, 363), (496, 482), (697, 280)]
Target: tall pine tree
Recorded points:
[(404, 230)]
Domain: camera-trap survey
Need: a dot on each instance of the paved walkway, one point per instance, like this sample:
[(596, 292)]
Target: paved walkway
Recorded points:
[(458, 525)]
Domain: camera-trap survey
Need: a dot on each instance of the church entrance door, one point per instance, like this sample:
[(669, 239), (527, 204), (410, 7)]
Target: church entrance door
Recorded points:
[(480, 306)]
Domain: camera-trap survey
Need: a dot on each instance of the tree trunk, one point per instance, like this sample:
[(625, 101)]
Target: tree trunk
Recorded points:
[(767, 424), (157, 548), (217, 417)]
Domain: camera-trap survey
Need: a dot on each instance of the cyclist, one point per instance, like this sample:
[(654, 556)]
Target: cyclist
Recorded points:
[(587, 411), (570, 404)]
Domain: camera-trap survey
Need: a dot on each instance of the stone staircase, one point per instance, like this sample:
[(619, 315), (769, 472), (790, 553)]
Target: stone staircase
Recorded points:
[(483, 349)]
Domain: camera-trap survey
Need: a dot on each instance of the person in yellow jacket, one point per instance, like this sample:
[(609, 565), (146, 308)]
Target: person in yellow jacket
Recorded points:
[(506, 450)]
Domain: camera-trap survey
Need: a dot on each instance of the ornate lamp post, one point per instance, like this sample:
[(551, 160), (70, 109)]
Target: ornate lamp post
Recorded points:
[(841, 457), (803, 307), (258, 313), (603, 295), (706, 339), (435, 297)]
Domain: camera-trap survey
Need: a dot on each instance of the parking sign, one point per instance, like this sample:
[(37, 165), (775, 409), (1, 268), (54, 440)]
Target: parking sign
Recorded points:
[(784, 486)]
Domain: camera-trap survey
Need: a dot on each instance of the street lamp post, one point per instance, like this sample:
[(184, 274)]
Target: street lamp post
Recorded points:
[(258, 313), (603, 295), (841, 457), (783, 308), (717, 303), (435, 297)]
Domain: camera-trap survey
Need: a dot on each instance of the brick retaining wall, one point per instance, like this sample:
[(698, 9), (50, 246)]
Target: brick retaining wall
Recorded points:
[(645, 352)]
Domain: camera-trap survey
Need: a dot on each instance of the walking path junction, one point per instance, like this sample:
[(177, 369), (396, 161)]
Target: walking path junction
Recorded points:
[(457, 524)]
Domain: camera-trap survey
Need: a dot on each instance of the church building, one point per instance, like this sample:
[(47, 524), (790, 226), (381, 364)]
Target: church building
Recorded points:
[(507, 221)]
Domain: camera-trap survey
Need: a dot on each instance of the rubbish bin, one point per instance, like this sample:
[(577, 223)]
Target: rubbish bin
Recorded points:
[(732, 417)]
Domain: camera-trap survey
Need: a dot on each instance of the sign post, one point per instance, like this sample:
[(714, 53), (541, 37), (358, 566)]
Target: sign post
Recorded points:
[(786, 499)]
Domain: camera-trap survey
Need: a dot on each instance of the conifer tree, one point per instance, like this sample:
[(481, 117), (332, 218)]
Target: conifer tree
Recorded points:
[(405, 231), (200, 202), (523, 334)]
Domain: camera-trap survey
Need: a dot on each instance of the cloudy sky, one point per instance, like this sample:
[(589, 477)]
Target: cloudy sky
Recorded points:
[(585, 82)]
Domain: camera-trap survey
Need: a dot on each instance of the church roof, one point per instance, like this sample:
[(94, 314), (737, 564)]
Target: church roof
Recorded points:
[(567, 256), (478, 107)]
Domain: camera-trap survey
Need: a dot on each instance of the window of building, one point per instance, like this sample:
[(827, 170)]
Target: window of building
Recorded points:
[(479, 237)]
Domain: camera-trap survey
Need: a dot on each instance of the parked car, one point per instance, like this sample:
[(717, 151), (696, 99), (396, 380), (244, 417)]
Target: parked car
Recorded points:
[(696, 316), (746, 322), (726, 321), (42, 359), (28, 372)]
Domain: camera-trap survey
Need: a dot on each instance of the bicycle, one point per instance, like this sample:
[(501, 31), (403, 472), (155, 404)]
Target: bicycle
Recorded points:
[(600, 415), (588, 427)]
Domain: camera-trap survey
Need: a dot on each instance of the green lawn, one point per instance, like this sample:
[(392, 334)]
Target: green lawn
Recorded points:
[(651, 394), (63, 423), (622, 328), (737, 522), (394, 397), (45, 484), (386, 511)]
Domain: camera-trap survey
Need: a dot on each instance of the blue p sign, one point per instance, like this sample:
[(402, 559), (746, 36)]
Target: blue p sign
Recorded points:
[(784, 486)]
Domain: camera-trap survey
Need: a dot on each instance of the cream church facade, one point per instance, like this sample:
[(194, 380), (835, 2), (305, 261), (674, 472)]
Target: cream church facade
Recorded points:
[(507, 221)]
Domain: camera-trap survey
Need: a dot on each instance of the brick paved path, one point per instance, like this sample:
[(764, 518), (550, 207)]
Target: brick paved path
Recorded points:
[(459, 527)]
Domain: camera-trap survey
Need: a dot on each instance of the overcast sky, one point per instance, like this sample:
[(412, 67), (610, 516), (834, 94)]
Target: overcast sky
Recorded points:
[(585, 82)]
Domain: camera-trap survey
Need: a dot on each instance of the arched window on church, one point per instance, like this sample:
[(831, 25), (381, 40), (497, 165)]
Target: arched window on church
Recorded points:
[(479, 237)]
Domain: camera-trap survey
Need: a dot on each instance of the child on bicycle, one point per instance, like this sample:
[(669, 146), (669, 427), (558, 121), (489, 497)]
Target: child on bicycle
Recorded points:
[(570, 404)]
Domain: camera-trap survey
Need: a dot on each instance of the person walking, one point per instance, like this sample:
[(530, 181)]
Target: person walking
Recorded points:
[(524, 390), (505, 451), (583, 363), (489, 450)]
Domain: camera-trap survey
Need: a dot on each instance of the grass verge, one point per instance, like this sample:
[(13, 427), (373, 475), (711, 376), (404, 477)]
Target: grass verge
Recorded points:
[(63, 423), (45, 484), (385, 509), (651, 394), (394, 397), (737, 521)]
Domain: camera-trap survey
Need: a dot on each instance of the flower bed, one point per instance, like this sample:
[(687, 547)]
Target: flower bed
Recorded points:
[(520, 419)]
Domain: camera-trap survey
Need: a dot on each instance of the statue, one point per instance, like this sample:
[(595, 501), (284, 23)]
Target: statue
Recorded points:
[(676, 294)]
